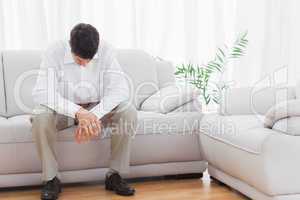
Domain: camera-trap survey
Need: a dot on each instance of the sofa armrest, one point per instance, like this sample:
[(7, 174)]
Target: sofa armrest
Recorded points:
[(191, 106), (170, 98), (252, 100), (288, 126)]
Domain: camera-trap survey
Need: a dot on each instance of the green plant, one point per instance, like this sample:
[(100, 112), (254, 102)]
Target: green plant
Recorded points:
[(200, 76)]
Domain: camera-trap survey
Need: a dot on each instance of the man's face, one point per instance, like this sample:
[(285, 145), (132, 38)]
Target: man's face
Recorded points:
[(81, 61)]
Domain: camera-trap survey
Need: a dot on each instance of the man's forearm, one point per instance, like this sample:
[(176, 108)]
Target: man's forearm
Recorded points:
[(58, 104)]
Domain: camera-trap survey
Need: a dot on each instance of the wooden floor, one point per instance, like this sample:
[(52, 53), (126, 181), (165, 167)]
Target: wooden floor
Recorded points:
[(157, 189)]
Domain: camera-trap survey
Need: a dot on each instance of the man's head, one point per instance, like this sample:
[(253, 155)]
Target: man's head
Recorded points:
[(84, 42)]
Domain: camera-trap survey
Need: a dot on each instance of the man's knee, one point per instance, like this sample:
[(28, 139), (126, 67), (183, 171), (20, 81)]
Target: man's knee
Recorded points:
[(127, 112), (126, 119), (41, 116)]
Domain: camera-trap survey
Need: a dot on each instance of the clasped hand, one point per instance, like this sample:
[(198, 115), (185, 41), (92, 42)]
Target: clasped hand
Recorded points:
[(89, 126)]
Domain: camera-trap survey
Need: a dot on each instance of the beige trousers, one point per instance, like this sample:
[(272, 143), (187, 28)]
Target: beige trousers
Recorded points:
[(46, 123)]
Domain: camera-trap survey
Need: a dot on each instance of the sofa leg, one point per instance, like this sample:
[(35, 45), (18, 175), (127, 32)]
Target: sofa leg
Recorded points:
[(184, 176)]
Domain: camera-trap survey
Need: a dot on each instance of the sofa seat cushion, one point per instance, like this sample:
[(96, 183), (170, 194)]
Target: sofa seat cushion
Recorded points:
[(150, 123), (171, 123), (6, 131), (245, 132), (169, 141), (18, 128)]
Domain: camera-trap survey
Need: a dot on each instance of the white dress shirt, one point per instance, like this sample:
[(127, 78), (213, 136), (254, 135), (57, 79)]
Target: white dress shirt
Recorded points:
[(62, 84)]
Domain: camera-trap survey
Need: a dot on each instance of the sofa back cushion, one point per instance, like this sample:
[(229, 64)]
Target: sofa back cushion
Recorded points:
[(165, 73), (20, 71), (21, 67), (2, 94), (249, 100), (142, 74)]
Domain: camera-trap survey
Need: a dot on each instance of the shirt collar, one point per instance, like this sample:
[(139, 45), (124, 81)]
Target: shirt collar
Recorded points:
[(68, 58)]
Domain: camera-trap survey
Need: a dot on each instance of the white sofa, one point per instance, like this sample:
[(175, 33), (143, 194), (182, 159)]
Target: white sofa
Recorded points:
[(165, 144), (262, 163)]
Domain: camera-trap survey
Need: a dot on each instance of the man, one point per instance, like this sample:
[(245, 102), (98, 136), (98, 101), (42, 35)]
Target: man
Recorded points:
[(80, 82)]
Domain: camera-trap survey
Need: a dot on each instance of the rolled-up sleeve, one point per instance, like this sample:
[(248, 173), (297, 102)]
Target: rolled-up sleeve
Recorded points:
[(115, 88)]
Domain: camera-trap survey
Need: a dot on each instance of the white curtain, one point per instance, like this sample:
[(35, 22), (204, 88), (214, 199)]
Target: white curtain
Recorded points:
[(176, 30), (273, 50)]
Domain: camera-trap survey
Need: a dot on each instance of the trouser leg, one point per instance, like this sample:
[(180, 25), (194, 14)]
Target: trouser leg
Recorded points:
[(124, 122), (44, 130)]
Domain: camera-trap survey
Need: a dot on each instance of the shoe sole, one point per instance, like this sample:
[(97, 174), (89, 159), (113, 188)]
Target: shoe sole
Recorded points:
[(122, 194), (55, 198), (108, 188), (127, 195)]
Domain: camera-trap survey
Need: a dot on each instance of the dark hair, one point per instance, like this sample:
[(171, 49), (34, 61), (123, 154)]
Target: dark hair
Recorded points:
[(84, 40)]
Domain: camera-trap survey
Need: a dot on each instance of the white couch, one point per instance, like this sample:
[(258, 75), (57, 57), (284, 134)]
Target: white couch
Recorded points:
[(260, 162), (165, 144)]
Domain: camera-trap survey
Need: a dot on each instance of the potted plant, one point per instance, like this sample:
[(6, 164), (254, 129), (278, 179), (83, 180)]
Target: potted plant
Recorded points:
[(201, 75)]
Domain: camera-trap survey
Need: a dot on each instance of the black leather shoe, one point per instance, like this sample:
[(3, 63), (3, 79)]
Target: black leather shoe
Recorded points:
[(51, 189), (114, 182)]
